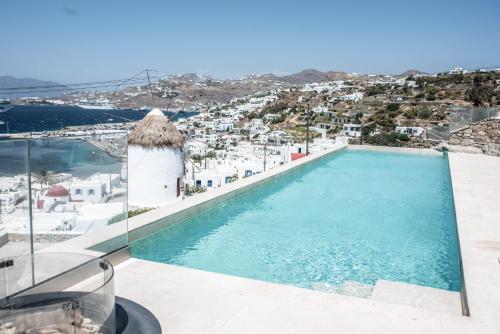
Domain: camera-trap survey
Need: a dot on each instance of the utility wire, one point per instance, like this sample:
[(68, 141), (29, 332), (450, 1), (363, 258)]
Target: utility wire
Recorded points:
[(137, 81), (91, 83)]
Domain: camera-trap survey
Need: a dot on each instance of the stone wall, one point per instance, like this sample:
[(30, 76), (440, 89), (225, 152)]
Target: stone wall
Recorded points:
[(482, 136)]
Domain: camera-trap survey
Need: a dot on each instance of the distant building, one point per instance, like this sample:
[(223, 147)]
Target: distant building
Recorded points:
[(456, 70), (94, 188), (320, 109), (8, 202), (414, 131), (351, 130), (271, 117), (353, 97)]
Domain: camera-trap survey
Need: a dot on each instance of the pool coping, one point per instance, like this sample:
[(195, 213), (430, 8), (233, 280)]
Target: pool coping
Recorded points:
[(475, 183), (405, 150)]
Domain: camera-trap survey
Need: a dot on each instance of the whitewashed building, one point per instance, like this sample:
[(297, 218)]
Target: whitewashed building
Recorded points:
[(351, 130), (414, 131), (155, 161)]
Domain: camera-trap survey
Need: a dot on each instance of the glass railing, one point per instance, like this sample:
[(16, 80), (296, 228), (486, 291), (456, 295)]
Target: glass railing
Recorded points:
[(71, 293), (62, 194), (462, 116)]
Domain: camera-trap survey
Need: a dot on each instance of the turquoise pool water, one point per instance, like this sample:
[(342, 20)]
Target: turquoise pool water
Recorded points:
[(354, 215)]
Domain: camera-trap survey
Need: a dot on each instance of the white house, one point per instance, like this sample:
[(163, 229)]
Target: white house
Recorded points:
[(8, 202), (320, 109), (94, 188), (271, 117), (353, 97), (351, 130), (414, 131), (456, 70)]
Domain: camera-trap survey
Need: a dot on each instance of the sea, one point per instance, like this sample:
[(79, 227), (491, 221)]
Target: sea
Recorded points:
[(57, 155), (61, 155), (27, 118)]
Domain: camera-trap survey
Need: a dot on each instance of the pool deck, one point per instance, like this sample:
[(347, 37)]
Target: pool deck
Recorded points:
[(476, 190), (192, 301)]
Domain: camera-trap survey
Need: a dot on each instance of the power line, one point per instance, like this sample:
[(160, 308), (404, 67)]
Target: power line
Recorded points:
[(66, 86), (137, 81)]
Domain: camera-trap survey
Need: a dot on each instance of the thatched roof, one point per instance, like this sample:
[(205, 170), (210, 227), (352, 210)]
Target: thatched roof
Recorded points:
[(155, 130)]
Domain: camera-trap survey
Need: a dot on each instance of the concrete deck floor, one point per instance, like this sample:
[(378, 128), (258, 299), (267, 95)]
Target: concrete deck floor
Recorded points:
[(192, 301)]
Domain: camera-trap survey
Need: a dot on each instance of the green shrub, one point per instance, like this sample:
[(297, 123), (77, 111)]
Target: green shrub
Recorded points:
[(388, 139)]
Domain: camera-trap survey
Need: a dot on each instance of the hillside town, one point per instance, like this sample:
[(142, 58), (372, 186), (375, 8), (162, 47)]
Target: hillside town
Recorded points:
[(247, 135)]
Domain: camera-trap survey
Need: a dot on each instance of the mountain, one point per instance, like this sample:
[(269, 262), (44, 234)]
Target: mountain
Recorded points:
[(304, 77), (7, 82), (411, 72)]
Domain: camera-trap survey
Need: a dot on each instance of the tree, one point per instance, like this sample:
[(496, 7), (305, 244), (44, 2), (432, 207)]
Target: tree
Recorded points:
[(197, 158), (211, 155), (375, 90), (480, 94), (388, 139), (431, 93), (424, 112), (392, 107)]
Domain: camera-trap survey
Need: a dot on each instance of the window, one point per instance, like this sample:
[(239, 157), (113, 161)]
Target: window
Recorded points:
[(228, 179), (178, 186), (78, 191), (209, 183), (198, 183), (91, 192)]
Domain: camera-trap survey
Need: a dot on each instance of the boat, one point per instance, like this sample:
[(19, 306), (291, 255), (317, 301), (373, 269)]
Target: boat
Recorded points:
[(5, 106), (102, 106)]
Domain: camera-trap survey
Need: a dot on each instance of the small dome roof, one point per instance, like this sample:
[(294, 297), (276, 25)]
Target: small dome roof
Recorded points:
[(156, 130), (57, 191)]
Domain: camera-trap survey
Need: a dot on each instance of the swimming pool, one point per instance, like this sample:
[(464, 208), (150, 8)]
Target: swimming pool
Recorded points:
[(354, 215)]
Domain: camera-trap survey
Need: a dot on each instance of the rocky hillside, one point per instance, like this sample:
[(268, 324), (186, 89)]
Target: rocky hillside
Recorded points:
[(481, 137)]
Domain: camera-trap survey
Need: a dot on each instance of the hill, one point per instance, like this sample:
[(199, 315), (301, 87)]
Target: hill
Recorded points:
[(411, 72), (9, 82)]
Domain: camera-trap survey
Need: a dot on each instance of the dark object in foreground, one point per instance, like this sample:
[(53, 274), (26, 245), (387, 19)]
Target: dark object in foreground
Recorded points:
[(132, 318)]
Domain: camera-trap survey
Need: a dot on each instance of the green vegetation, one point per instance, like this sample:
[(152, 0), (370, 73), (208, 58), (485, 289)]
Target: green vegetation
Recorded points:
[(383, 120), (197, 158), (211, 155), (430, 93), (191, 190), (135, 212), (375, 90), (392, 107), (418, 112), (274, 108), (480, 94), (280, 119), (388, 139)]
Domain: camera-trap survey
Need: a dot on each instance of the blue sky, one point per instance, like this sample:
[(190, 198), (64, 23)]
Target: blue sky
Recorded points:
[(71, 41)]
